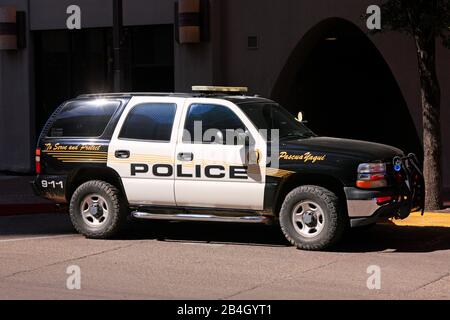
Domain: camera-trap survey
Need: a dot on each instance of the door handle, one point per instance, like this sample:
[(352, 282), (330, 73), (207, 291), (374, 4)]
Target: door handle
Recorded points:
[(122, 154), (185, 156)]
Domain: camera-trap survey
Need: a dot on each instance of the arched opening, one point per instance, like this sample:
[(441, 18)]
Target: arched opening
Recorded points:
[(341, 82)]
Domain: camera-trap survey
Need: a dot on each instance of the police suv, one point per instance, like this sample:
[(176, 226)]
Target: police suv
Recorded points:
[(216, 155)]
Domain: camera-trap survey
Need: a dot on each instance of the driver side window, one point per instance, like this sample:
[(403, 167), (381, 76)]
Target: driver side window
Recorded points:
[(208, 123)]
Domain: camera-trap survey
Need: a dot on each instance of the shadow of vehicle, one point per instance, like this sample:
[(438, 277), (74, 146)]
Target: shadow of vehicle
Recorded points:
[(392, 238), (380, 238), (36, 225)]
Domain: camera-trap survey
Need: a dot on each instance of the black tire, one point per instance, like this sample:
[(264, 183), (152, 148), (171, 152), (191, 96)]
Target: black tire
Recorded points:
[(117, 211), (334, 218)]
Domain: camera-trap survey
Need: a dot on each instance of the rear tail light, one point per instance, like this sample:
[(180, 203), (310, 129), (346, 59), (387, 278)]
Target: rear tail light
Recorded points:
[(38, 161), (371, 175)]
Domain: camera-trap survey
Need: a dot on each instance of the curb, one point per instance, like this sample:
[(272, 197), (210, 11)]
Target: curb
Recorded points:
[(429, 219), (29, 208)]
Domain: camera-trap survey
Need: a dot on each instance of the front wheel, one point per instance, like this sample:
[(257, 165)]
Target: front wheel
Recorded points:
[(311, 218), (96, 210)]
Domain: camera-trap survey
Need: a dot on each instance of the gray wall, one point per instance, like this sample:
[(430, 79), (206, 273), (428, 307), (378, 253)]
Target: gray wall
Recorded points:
[(51, 14), (16, 105), (144, 12), (202, 64)]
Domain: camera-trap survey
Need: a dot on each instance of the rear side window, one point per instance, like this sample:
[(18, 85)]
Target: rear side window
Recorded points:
[(83, 118), (149, 121)]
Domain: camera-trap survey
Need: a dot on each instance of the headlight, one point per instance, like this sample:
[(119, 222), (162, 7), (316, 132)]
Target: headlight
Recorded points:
[(371, 175)]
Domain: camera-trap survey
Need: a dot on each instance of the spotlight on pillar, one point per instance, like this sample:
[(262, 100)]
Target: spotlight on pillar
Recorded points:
[(192, 21), (12, 28)]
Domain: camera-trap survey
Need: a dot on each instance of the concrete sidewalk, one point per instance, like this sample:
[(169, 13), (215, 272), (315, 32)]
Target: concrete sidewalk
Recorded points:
[(428, 219), (17, 197)]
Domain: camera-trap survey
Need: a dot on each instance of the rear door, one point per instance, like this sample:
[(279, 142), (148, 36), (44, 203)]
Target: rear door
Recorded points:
[(143, 147)]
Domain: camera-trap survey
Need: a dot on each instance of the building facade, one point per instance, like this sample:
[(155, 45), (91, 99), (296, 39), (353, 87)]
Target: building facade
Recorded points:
[(311, 56)]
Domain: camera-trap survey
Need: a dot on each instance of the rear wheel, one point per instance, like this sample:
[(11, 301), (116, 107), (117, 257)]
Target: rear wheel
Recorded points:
[(311, 218), (96, 210)]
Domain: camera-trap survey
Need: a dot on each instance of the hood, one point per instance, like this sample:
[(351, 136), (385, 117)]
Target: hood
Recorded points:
[(363, 150)]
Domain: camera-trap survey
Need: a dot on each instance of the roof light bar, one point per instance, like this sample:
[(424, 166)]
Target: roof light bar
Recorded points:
[(219, 89)]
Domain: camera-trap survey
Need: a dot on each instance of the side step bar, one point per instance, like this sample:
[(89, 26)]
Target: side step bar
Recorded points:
[(200, 217)]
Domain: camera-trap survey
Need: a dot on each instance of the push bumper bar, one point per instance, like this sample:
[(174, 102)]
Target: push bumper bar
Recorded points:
[(368, 206)]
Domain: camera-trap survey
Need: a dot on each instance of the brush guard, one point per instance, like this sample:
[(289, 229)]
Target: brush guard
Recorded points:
[(413, 188)]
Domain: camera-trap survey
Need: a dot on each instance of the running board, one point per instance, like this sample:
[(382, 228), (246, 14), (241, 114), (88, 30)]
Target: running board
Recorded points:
[(200, 217)]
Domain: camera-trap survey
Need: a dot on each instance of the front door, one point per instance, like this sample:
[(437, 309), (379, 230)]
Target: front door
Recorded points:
[(211, 170)]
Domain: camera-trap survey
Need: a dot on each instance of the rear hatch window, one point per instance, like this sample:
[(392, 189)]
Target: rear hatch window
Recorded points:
[(83, 119)]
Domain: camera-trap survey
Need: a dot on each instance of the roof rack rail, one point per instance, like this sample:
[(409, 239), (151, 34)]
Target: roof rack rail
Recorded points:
[(130, 94)]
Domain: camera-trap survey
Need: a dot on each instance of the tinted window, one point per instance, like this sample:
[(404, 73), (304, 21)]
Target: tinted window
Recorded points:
[(270, 116), (212, 117), (149, 121), (83, 118)]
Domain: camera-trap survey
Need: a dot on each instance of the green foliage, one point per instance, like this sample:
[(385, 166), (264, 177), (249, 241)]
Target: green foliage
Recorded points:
[(417, 17)]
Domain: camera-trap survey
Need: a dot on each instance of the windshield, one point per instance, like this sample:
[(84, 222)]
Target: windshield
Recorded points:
[(271, 116)]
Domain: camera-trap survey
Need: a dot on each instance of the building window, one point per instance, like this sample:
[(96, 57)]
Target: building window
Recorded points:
[(152, 58)]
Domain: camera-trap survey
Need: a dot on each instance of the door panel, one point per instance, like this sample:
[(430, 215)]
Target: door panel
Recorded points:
[(146, 166), (218, 175)]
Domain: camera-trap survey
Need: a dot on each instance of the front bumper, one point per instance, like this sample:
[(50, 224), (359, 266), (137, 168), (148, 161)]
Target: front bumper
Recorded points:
[(368, 206)]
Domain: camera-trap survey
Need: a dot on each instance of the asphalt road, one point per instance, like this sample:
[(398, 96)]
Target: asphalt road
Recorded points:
[(217, 261)]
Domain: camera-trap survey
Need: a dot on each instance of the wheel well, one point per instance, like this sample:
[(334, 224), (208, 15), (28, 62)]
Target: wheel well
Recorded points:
[(82, 175), (302, 179)]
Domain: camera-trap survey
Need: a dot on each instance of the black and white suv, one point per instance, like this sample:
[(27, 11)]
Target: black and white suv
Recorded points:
[(216, 155)]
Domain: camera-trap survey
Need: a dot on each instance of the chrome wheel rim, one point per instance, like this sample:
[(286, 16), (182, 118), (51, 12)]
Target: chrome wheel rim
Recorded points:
[(308, 219), (94, 210)]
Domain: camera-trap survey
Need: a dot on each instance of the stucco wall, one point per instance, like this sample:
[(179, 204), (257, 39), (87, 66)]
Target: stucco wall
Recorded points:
[(280, 25), (16, 105), (51, 14)]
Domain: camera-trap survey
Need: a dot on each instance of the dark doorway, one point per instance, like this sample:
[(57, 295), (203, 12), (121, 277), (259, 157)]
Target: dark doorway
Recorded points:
[(151, 59), (341, 82), (70, 63)]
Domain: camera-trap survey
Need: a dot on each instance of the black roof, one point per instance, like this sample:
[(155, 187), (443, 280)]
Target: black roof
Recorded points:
[(236, 99)]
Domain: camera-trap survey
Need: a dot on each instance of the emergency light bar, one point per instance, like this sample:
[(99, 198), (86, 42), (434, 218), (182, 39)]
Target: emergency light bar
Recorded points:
[(212, 89)]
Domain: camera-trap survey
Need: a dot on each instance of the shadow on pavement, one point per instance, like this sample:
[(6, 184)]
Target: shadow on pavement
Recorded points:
[(36, 225), (392, 238), (206, 232), (382, 237)]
